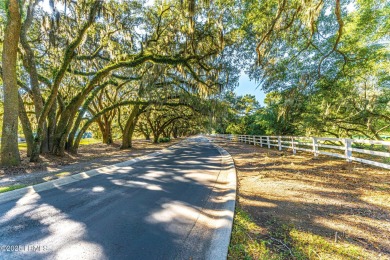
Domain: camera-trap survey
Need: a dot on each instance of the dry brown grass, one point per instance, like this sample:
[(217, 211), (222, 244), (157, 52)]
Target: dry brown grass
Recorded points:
[(321, 197)]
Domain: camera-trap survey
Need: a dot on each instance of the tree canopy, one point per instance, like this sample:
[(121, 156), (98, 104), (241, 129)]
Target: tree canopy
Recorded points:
[(161, 69), (324, 65)]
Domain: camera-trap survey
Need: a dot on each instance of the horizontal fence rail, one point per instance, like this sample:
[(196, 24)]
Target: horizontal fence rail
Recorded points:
[(349, 149)]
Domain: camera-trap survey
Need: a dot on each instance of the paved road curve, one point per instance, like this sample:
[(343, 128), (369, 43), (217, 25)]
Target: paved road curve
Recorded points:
[(167, 207)]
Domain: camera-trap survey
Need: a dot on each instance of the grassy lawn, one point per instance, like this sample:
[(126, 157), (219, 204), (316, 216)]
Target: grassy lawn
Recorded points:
[(12, 187), (22, 146), (86, 141), (278, 240)]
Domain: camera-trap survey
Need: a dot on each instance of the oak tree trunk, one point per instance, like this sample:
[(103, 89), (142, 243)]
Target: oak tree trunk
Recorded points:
[(9, 142), (174, 132), (127, 136), (156, 136), (51, 129), (107, 132), (26, 125)]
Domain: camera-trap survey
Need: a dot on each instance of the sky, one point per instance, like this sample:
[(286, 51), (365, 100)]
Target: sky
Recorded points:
[(246, 86)]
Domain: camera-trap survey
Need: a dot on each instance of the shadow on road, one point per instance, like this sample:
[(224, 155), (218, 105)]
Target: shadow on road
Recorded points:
[(161, 208)]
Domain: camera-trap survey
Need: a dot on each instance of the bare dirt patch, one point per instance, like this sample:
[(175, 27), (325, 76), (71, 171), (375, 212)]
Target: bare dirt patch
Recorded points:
[(89, 157), (306, 207)]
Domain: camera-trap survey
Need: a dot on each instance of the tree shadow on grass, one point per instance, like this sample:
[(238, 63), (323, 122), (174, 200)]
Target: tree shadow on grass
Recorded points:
[(318, 197)]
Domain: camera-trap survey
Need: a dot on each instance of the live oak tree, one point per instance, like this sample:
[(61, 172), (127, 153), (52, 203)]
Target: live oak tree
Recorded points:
[(325, 65), (82, 45)]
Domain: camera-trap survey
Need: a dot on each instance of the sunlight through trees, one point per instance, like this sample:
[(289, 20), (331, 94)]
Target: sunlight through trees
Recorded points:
[(161, 69)]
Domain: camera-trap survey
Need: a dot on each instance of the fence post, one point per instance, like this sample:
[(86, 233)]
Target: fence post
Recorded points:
[(269, 145), (348, 149), (279, 143), (261, 141), (293, 145), (315, 146)]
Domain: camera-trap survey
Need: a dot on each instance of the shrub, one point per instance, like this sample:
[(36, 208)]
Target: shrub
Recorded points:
[(164, 139)]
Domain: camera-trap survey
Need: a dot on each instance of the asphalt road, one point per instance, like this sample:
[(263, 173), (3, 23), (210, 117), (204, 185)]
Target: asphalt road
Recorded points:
[(166, 207)]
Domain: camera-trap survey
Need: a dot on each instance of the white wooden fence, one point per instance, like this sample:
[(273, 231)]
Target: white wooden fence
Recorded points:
[(316, 145)]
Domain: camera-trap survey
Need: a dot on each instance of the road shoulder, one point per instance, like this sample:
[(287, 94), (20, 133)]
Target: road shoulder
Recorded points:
[(227, 183), (18, 193)]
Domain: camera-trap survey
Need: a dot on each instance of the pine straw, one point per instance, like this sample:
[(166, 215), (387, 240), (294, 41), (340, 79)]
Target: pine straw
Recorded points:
[(316, 207)]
